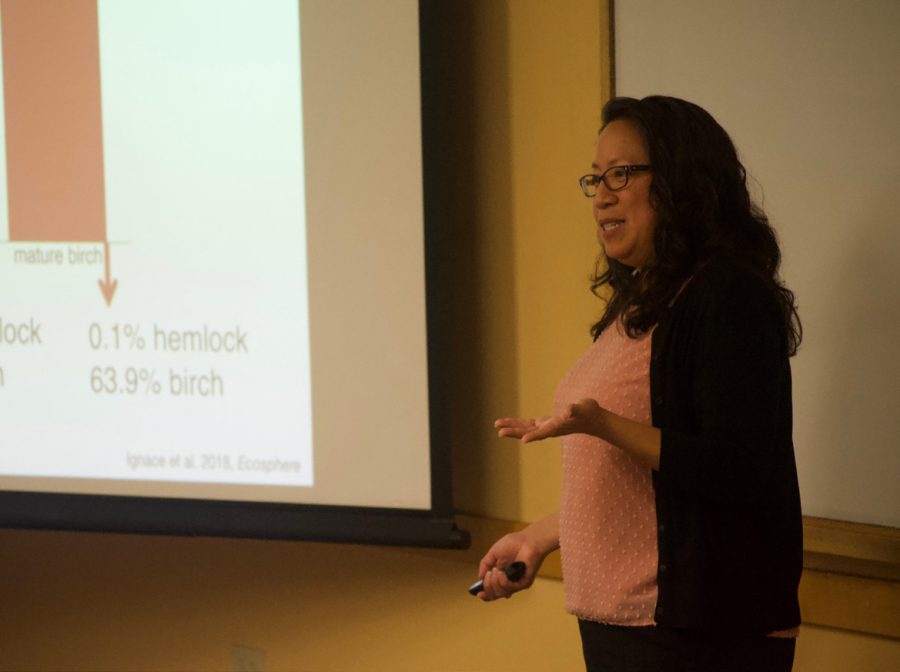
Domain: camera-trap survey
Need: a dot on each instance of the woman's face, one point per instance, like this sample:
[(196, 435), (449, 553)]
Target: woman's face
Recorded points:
[(625, 219)]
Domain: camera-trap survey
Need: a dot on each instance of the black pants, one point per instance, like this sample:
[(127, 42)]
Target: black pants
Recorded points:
[(612, 648)]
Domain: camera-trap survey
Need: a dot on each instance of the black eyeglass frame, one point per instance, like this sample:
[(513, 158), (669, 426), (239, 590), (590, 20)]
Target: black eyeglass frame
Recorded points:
[(589, 189)]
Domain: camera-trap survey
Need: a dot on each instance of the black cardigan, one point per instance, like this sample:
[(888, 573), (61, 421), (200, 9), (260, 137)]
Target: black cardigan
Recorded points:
[(727, 499)]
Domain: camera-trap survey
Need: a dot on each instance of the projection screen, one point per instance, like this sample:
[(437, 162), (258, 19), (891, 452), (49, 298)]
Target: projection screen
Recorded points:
[(213, 315)]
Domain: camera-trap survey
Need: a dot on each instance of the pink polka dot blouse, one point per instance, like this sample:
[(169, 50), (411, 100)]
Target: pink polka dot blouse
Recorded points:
[(607, 518)]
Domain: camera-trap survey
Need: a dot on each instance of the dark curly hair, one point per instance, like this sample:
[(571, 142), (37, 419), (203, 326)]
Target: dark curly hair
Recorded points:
[(699, 192)]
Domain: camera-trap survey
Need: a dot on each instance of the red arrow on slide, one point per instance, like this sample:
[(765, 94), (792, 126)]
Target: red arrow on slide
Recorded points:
[(106, 287)]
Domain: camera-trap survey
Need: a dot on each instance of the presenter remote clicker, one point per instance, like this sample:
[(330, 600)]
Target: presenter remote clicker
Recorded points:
[(513, 572)]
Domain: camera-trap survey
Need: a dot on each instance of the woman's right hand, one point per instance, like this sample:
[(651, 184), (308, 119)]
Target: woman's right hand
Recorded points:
[(530, 546), (513, 547)]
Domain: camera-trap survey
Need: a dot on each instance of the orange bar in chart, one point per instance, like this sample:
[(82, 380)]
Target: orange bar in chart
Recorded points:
[(54, 134)]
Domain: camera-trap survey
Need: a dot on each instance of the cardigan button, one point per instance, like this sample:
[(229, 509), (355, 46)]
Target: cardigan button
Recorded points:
[(663, 568)]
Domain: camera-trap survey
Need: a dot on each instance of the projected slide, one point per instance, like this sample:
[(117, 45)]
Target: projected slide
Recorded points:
[(153, 268)]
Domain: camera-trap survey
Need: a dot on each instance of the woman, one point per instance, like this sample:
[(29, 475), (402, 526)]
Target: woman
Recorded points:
[(679, 521)]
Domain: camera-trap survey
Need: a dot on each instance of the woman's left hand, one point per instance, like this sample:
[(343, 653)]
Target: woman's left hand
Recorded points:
[(583, 417), (642, 441)]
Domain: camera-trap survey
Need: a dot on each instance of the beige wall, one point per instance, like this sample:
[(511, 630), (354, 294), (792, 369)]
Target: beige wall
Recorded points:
[(805, 89), (127, 603), (108, 602), (537, 83), (532, 76), (75, 601)]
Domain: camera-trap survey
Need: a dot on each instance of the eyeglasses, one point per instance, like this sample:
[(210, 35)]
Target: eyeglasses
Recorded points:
[(614, 178)]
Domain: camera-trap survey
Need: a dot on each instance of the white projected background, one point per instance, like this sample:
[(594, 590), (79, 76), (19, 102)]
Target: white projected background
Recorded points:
[(198, 369), (808, 91), (195, 378)]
